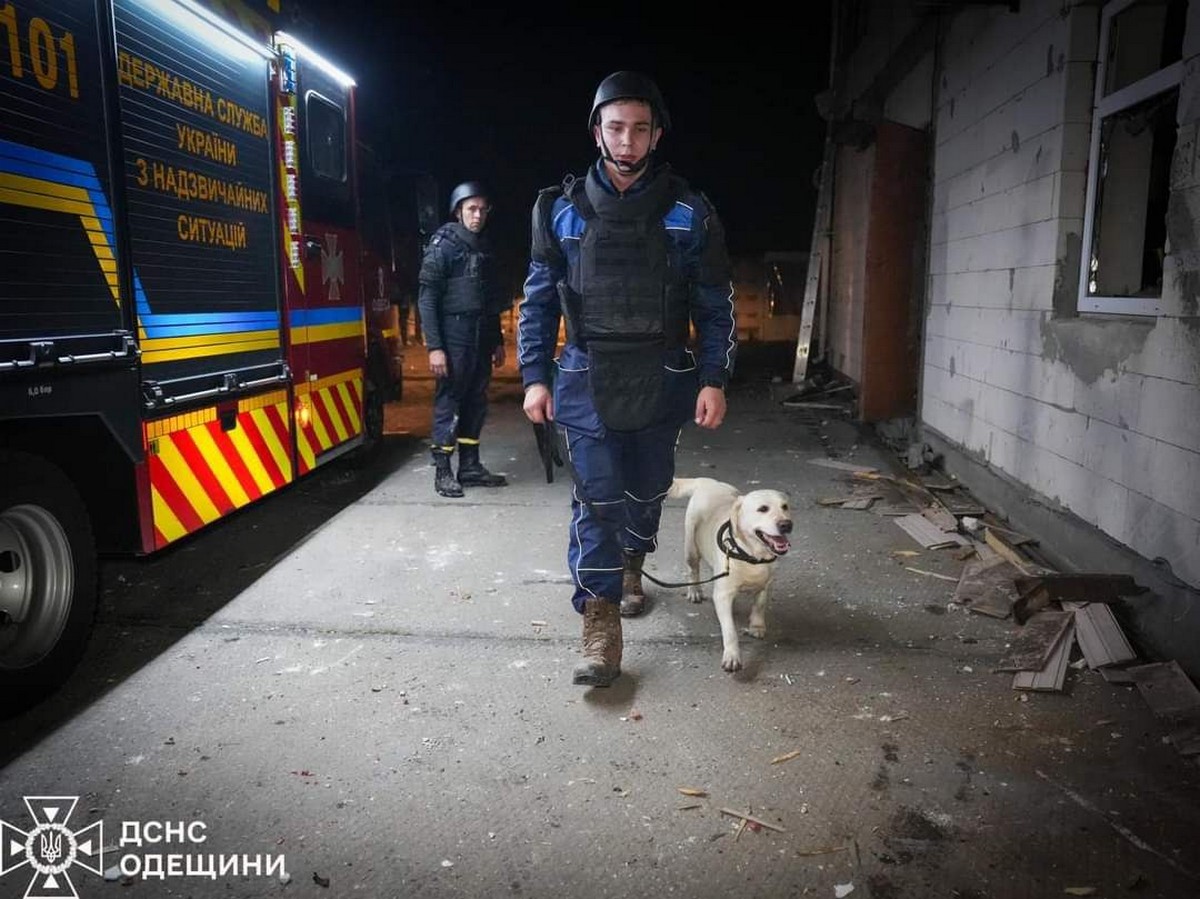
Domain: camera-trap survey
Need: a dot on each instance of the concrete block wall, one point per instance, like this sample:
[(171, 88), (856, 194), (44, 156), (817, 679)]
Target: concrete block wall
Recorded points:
[(1098, 415)]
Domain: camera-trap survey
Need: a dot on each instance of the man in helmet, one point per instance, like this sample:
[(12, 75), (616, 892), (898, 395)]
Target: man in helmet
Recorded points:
[(460, 302), (632, 258)]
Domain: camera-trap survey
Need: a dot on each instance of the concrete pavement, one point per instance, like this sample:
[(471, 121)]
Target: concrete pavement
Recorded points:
[(386, 711)]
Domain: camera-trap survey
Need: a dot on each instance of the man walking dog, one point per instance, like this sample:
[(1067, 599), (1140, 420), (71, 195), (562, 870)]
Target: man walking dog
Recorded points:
[(632, 257)]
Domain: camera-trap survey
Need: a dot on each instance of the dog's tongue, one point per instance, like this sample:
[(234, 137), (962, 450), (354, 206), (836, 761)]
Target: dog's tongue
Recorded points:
[(779, 545)]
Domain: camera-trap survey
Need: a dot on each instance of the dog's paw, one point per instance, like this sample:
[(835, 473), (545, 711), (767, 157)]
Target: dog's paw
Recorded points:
[(756, 630), (731, 661), (694, 595)]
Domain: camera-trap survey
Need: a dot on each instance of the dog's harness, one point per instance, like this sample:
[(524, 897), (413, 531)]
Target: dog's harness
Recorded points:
[(730, 548)]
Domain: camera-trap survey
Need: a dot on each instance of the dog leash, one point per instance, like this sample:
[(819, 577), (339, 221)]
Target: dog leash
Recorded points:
[(729, 547)]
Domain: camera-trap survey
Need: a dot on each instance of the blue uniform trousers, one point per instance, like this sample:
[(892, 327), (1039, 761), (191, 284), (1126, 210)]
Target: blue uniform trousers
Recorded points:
[(460, 400), (621, 480)]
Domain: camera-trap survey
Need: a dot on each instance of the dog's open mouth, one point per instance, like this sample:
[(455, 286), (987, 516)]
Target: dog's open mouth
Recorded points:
[(777, 544)]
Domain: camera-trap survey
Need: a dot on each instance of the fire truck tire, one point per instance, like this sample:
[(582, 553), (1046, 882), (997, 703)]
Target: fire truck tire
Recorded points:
[(47, 580)]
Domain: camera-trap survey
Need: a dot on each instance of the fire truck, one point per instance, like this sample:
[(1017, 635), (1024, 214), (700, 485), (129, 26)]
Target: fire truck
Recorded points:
[(186, 325)]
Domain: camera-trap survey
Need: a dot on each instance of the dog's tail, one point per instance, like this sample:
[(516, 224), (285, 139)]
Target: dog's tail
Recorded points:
[(682, 488)]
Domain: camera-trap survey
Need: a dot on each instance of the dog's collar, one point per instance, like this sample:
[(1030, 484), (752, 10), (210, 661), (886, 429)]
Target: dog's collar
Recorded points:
[(729, 546)]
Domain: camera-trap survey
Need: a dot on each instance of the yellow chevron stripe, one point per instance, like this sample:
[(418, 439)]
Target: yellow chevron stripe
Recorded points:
[(278, 453), (220, 467), (181, 474), (244, 449), (324, 441), (325, 398), (164, 518), (308, 458), (350, 400)]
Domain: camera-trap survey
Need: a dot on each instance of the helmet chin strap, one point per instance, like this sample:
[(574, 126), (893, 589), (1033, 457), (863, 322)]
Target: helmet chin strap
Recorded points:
[(625, 168)]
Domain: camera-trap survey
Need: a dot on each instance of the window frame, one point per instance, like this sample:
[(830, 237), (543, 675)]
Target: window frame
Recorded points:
[(309, 97), (1151, 85)]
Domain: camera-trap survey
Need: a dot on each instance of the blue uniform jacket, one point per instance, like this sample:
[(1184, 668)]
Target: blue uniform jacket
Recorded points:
[(696, 243)]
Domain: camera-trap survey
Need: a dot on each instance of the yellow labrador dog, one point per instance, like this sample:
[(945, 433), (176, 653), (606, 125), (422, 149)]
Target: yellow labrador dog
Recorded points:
[(742, 534)]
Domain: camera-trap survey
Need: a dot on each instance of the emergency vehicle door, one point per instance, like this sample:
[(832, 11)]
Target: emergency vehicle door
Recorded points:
[(324, 305)]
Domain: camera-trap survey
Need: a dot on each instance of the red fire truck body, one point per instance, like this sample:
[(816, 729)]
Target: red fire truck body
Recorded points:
[(183, 326)]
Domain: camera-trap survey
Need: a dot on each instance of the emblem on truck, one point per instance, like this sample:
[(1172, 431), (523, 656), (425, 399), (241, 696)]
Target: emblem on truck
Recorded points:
[(331, 267)]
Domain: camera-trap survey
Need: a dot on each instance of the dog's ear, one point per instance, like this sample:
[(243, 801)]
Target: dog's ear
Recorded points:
[(735, 515)]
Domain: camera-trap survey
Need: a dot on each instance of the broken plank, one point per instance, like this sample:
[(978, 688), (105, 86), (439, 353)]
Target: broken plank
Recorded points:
[(940, 518), (1167, 690), (1008, 551), (1051, 678), (929, 535), (860, 503), (986, 587), (1100, 637), (1083, 586), (1036, 641)]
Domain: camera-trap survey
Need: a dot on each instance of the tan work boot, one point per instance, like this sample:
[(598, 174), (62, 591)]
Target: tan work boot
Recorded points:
[(633, 600), (602, 644)]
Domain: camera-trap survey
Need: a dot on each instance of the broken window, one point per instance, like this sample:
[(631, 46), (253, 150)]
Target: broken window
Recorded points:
[(1133, 137)]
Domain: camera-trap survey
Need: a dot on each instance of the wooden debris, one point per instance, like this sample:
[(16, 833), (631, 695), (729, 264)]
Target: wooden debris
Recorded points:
[(843, 466), (800, 404), (986, 587), (1083, 586), (1036, 641), (746, 817), (944, 577), (1008, 551), (860, 504), (1030, 602), (692, 791), (1099, 635), (958, 503), (1051, 678), (927, 534), (828, 850), (940, 518), (786, 757), (1119, 676), (1167, 690)]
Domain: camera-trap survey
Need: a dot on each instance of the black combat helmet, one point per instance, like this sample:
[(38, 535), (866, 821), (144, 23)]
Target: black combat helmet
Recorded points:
[(465, 190), (630, 86)]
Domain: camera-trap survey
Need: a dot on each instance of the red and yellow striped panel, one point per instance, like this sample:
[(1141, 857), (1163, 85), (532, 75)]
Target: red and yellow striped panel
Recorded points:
[(199, 471), (328, 412)]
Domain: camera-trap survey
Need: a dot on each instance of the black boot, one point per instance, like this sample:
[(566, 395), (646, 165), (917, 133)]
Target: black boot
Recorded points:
[(471, 472), (444, 481)]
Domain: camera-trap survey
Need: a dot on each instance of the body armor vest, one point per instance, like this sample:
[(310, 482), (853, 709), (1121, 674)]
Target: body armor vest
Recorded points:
[(625, 302), (467, 291), (625, 287)]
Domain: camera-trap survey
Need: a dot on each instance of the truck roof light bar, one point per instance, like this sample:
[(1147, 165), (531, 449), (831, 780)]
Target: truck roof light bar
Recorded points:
[(315, 58)]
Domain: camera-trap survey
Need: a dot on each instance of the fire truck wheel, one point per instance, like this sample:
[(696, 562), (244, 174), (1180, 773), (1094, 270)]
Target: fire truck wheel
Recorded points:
[(47, 580)]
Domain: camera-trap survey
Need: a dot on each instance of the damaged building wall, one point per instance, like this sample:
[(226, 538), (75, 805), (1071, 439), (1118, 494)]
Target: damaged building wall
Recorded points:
[(1099, 414)]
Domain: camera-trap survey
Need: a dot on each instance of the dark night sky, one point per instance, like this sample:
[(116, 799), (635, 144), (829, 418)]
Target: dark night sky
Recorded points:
[(503, 96)]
